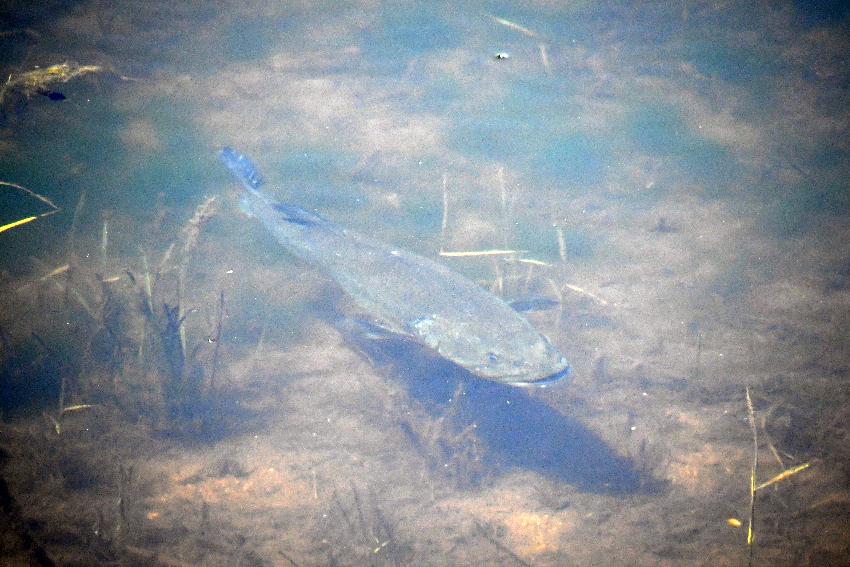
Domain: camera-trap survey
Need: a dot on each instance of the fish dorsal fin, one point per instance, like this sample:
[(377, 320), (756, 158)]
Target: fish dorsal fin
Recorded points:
[(533, 304), (297, 215)]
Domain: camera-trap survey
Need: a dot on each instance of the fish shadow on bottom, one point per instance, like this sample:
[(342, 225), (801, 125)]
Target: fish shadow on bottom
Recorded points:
[(515, 429)]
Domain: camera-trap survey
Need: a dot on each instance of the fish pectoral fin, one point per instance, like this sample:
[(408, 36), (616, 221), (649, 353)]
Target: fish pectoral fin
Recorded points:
[(373, 329), (429, 330), (533, 304)]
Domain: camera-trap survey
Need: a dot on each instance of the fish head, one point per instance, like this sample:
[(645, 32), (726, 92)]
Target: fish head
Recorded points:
[(535, 363), (525, 358)]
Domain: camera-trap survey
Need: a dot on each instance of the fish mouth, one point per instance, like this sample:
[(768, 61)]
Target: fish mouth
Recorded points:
[(542, 382)]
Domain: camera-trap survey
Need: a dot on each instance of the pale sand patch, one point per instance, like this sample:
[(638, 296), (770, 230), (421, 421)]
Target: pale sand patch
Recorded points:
[(274, 487), (530, 533), (274, 102), (705, 121), (534, 533), (702, 472)]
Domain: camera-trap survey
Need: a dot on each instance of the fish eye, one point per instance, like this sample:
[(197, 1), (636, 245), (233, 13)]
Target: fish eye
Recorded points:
[(492, 357)]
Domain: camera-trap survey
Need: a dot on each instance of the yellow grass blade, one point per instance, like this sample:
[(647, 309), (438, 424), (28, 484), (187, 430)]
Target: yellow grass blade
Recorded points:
[(11, 225), (34, 195), (783, 475), (77, 407)]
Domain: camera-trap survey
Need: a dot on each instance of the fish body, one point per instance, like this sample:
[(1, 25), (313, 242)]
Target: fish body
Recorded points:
[(52, 95), (409, 294)]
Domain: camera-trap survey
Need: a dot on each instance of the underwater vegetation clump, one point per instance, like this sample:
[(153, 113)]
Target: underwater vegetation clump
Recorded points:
[(449, 446), (360, 532), (175, 358), (42, 81), (124, 343)]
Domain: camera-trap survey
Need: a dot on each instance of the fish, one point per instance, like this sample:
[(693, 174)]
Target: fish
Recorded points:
[(407, 294), (52, 95)]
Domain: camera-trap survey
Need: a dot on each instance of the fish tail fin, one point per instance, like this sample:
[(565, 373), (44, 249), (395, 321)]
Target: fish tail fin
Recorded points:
[(246, 172), (242, 169)]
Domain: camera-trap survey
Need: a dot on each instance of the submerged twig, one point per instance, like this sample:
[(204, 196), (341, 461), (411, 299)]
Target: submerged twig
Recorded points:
[(581, 291), (532, 262), (217, 340), (513, 26), (104, 243), (75, 221), (499, 282), (472, 253), (51, 274), (544, 58), (783, 475), (125, 478), (181, 311), (562, 250), (445, 221), (506, 209), (59, 370), (750, 531), (147, 300)]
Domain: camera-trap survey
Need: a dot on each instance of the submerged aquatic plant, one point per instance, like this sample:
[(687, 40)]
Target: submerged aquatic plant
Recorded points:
[(451, 449), (127, 344), (363, 532), (41, 81), (182, 381)]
